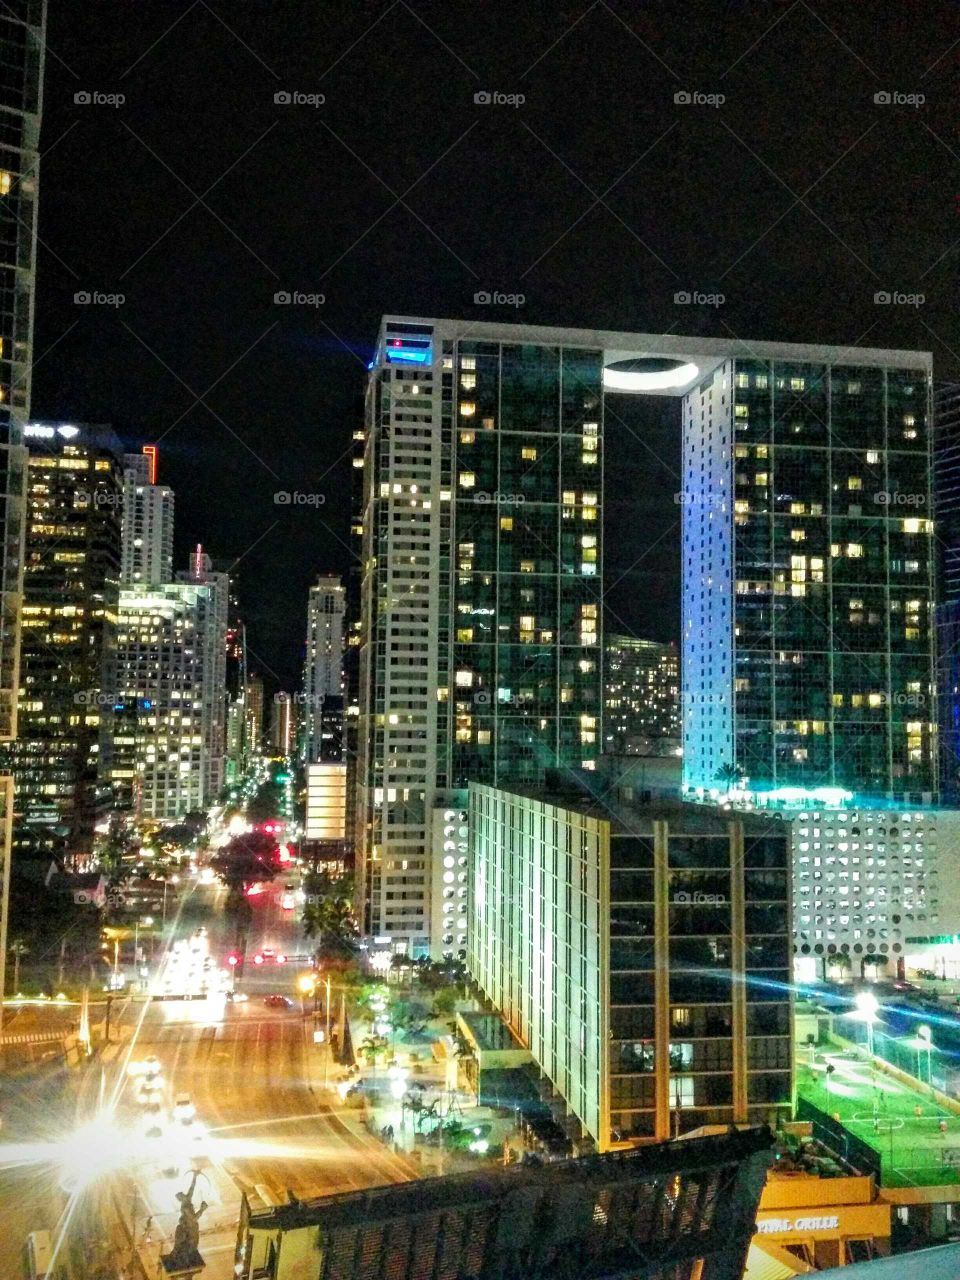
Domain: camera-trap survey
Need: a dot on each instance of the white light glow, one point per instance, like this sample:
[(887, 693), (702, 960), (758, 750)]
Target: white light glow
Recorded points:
[(648, 379)]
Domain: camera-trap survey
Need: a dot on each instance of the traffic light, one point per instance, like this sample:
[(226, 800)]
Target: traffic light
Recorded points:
[(233, 960)]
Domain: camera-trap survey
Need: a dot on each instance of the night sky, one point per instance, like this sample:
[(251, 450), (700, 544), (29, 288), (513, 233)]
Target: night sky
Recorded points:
[(598, 198)]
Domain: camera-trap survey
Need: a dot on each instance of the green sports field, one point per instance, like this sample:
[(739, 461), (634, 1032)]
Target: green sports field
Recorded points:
[(882, 1112)]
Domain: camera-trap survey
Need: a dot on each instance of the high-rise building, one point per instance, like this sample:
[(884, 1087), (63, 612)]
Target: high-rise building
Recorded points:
[(237, 745), (148, 512), (70, 598), (946, 479), (808, 571), (283, 724), (480, 653), (255, 725), (807, 654), (161, 735), (201, 572), (322, 703), (641, 696), (640, 953), (23, 44)]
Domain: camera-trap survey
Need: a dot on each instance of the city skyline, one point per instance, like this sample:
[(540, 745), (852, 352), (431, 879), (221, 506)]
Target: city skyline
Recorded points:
[(479, 630), (762, 263)]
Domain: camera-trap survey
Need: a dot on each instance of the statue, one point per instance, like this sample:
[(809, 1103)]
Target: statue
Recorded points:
[(185, 1255)]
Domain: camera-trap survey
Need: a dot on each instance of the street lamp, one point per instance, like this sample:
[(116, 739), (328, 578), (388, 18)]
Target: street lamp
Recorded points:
[(867, 1006), (924, 1033)]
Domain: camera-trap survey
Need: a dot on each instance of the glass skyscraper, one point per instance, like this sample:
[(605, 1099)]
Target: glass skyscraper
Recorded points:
[(481, 601), (807, 640), (808, 574)]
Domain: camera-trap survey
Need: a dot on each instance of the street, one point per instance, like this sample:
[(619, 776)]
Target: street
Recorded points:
[(254, 1076)]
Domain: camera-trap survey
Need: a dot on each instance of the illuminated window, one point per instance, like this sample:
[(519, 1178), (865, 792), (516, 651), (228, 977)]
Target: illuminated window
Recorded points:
[(854, 482), (854, 550), (467, 437), (798, 384), (468, 381), (467, 408), (527, 566), (506, 523), (528, 453), (467, 479)]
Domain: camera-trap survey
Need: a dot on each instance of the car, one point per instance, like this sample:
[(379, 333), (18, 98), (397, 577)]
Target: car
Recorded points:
[(149, 1090), (151, 1065), (183, 1108), (277, 1001)]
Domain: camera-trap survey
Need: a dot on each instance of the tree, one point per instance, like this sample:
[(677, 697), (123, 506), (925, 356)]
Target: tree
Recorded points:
[(444, 1002), (328, 914), (731, 775), (243, 861)]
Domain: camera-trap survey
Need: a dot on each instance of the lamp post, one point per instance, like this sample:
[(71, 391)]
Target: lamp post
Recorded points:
[(867, 1006)]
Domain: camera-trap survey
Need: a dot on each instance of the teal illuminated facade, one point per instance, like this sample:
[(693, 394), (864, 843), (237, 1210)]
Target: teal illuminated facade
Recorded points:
[(808, 574)]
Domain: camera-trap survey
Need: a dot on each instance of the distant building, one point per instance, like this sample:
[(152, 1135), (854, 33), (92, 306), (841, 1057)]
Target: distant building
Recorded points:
[(323, 672), (641, 696), (165, 665), (641, 953), (283, 723), (70, 598), (255, 724), (237, 745), (148, 515), (201, 572)]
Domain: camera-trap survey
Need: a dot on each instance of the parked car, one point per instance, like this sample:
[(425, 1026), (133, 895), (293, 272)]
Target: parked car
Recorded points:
[(276, 1001)]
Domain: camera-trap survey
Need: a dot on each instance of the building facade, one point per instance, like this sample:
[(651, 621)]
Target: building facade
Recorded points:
[(322, 708), (480, 646), (641, 696), (202, 573), (70, 600), (875, 887), (148, 515), (283, 723), (160, 735), (808, 573), (23, 42), (946, 475), (255, 725), (641, 953)]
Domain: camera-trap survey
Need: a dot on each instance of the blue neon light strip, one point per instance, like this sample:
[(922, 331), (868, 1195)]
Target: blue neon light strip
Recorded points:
[(400, 355)]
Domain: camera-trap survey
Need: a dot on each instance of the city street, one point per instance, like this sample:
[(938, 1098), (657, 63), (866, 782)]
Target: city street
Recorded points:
[(253, 1075)]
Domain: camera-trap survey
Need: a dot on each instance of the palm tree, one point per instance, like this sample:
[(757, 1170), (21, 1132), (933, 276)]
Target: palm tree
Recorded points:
[(730, 774), (328, 913)]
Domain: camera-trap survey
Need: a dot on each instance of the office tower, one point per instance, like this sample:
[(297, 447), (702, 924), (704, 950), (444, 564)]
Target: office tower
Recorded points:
[(946, 481), (165, 665), (481, 614), (641, 696), (148, 511), (255, 713), (23, 44), (283, 724), (201, 572), (70, 596), (640, 953)]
